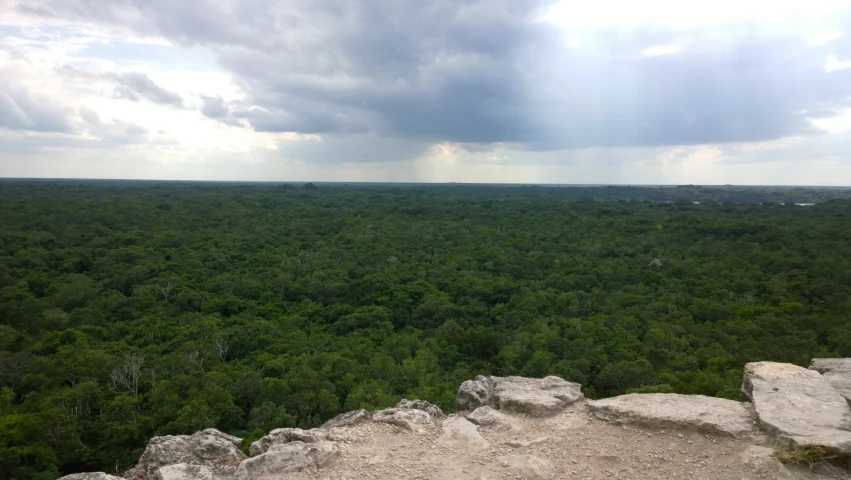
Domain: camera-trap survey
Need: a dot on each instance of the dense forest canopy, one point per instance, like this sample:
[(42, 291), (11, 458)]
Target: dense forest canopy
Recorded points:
[(129, 310)]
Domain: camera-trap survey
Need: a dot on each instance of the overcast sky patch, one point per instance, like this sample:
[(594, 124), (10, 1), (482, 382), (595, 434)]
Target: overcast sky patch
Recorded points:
[(302, 84)]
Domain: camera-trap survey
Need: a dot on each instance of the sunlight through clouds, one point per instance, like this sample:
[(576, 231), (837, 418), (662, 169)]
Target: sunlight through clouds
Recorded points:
[(500, 91)]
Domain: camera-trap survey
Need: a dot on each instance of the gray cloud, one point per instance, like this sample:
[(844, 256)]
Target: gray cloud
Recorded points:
[(116, 132), (132, 86), (479, 72), (20, 109), (353, 149), (136, 85), (215, 108)]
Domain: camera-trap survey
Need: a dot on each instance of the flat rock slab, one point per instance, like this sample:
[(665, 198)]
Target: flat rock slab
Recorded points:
[(799, 405), (283, 459), (667, 410), (90, 476), (281, 436), (837, 371), (489, 418), (348, 419), (409, 419), (458, 432), (536, 397), (430, 408), (183, 471), (762, 462)]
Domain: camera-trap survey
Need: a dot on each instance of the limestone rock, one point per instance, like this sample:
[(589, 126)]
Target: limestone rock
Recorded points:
[(379, 459), (536, 397), (459, 432), (409, 419), (487, 417), (348, 419), (210, 448), (433, 410), (183, 471), (761, 461), (529, 466), (530, 443), (668, 410), (476, 393), (281, 436), (90, 476), (837, 371), (286, 458), (799, 405)]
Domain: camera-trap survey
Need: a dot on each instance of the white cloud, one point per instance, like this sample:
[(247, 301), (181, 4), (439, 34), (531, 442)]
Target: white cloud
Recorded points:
[(683, 15), (834, 63), (659, 50)]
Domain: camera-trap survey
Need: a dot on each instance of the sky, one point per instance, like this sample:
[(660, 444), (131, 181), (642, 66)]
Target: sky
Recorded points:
[(517, 91)]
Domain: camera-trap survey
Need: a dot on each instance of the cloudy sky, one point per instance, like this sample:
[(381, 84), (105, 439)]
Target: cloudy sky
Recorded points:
[(520, 91)]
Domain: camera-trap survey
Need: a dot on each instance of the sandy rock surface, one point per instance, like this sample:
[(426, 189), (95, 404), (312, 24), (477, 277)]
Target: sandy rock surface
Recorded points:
[(487, 417), (541, 429), (668, 410), (578, 445), (837, 371), (459, 432), (798, 405)]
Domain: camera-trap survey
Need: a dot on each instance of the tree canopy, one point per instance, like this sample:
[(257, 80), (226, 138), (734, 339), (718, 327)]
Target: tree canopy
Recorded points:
[(135, 309)]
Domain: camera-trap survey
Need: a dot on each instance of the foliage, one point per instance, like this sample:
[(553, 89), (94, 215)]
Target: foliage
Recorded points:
[(134, 309), (809, 454)]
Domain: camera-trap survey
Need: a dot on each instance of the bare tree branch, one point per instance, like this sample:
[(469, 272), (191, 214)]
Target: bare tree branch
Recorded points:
[(197, 359), (168, 289), (127, 375), (221, 345)]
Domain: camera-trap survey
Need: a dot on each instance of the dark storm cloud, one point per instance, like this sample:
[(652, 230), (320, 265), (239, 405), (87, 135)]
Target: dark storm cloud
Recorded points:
[(483, 72)]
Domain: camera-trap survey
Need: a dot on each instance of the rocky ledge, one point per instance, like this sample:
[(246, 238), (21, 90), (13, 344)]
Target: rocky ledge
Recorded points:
[(788, 405)]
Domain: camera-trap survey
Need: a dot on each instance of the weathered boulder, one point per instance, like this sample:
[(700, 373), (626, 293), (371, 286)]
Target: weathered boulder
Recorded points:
[(837, 371), (476, 393), (409, 419), (210, 448), (348, 419), (90, 476), (487, 417), (281, 436), (799, 405), (286, 458), (536, 397), (430, 408), (236, 441), (528, 466), (458, 432), (183, 471), (762, 462), (668, 410)]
